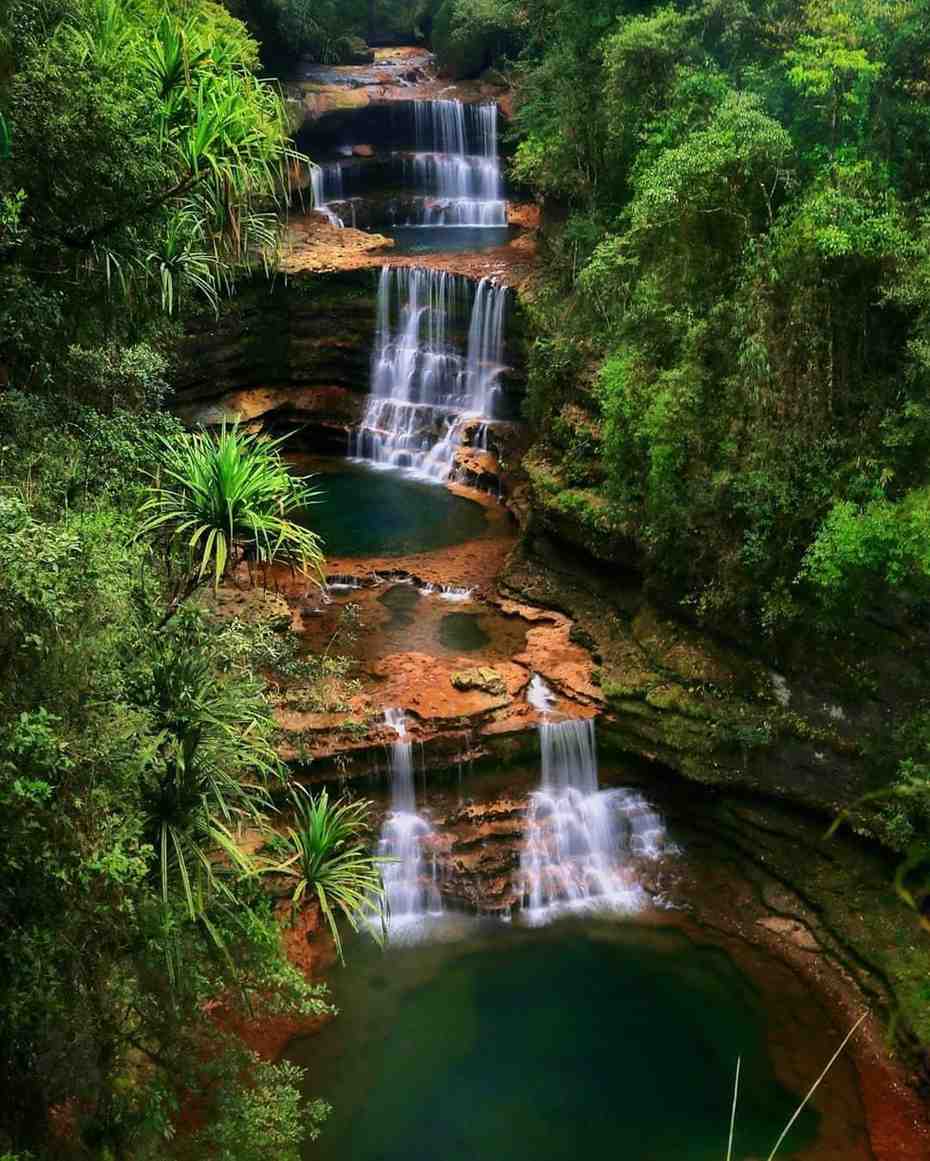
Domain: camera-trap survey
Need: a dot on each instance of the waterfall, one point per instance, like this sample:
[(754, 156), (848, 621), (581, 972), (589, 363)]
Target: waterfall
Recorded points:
[(422, 386), (455, 170), (412, 891), (320, 178), (579, 837), (446, 592)]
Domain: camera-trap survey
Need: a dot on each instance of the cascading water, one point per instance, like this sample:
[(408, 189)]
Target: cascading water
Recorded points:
[(455, 170), (320, 178), (422, 387), (578, 837), (411, 888)]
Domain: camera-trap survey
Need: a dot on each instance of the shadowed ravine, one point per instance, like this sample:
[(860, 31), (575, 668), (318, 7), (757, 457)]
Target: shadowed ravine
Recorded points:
[(465, 599), (562, 974)]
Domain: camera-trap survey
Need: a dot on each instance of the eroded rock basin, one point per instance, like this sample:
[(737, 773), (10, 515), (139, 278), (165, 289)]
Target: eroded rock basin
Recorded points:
[(581, 1039), (424, 630), (363, 512), (481, 1037)]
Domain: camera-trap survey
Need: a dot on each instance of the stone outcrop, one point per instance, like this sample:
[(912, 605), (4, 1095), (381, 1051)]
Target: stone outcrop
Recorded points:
[(694, 704), (292, 353), (483, 679)]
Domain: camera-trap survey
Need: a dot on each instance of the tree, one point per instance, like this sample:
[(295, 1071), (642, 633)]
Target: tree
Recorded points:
[(150, 165), (129, 755)]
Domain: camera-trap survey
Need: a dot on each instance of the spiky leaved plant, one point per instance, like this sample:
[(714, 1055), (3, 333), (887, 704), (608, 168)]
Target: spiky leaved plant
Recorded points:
[(210, 771), (222, 498), (330, 861)]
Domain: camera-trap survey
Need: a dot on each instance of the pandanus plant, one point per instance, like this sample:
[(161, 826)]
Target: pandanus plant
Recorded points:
[(209, 773), (225, 151), (220, 499), (329, 861)]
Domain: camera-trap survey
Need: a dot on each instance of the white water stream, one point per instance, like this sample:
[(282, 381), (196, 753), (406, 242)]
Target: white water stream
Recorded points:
[(423, 386), (455, 171), (580, 839), (409, 877)]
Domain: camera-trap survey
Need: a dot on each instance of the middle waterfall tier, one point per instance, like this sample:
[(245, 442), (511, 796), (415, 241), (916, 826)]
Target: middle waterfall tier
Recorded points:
[(437, 363)]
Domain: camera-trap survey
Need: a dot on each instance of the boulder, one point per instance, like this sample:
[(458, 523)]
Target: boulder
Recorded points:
[(481, 678)]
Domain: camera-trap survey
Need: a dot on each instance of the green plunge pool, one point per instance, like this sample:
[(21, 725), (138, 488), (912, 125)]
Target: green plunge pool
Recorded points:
[(366, 512), (572, 1041)]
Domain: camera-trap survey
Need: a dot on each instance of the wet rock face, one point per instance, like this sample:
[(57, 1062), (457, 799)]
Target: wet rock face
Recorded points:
[(291, 354), (482, 844), (699, 706)]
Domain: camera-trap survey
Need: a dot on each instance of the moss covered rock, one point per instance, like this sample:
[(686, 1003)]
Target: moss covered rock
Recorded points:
[(482, 678)]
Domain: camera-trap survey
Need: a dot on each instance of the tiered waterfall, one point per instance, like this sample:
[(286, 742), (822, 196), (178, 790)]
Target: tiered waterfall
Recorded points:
[(455, 170), (437, 363), (580, 840)]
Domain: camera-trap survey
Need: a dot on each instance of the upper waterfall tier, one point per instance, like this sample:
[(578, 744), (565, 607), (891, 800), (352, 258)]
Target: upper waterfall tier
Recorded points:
[(439, 159), (456, 128), (438, 360), (456, 170)]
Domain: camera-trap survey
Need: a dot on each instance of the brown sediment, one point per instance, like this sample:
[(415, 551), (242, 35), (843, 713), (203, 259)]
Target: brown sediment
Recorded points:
[(404, 660), (314, 245)]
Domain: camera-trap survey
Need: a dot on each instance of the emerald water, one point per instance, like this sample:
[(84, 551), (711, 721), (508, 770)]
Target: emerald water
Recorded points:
[(551, 1044), (448, 239), (463, 631), (366, 512)]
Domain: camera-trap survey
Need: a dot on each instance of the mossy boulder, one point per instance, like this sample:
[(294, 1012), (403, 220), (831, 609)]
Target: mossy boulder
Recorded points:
[(481, 678)]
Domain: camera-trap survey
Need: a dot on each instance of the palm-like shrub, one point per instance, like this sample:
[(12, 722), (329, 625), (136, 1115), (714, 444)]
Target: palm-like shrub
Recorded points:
[(330, 861), (225, 153), (224, 498), (209, 772)]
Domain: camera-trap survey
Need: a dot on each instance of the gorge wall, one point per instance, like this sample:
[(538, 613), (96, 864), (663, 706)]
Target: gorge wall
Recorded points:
[(288, 352), (794, 724)]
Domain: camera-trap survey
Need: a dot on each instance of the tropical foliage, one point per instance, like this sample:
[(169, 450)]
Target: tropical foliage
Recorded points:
[(148, 165), (470, 35), (731, 358), (331, 31), (222, 499), (330, 862), (142, 164), (742, 368), (128, 758)]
